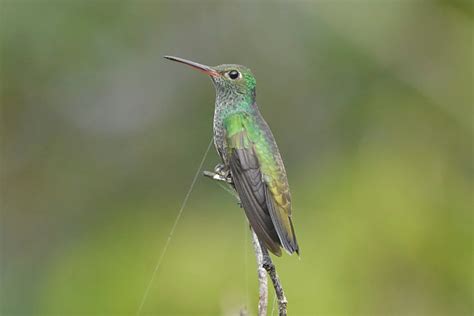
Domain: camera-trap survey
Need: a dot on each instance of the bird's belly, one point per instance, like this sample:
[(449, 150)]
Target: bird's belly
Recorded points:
[(219, 141)]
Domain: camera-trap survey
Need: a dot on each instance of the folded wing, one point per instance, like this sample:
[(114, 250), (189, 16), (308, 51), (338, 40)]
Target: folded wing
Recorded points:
[(261, 185)]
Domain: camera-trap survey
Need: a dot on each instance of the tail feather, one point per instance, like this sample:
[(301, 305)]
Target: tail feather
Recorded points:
[(283, 225)]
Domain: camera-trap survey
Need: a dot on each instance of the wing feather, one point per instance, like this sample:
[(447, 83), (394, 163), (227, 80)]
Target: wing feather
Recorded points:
[(248, 182), (266, 204)]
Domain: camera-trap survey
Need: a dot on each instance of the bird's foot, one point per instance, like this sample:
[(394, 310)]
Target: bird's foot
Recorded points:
[(222, 169), (221, 173), (216, 176)]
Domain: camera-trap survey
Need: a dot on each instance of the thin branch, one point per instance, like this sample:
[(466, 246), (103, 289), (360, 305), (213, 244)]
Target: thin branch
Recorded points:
[(280, 293), (264, 262), (262, 276), (216, 176)]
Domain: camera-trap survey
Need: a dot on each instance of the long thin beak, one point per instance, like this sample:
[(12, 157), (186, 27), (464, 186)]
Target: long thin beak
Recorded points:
[(205, 69)]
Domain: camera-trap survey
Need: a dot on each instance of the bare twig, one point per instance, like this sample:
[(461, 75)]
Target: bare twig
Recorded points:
[(271, 270), (264, 262), (216, 176), (262, 276)]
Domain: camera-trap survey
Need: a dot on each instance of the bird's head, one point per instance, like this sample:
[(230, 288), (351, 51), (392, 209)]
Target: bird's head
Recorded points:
[(230, 80)]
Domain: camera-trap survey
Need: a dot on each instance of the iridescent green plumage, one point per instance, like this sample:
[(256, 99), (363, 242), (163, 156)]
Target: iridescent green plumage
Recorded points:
[(248, 149), (260, 180)]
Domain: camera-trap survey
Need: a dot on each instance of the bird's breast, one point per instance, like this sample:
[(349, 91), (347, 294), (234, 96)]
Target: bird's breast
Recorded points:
[(219, 135)]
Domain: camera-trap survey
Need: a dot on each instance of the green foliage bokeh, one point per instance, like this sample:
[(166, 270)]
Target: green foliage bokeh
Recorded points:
[(371, 105)]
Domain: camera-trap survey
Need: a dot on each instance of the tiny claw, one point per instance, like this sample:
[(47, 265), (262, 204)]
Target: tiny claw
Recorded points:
[(222, 169)]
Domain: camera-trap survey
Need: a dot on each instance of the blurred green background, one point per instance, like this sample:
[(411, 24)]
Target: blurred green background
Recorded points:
[(371, 105)]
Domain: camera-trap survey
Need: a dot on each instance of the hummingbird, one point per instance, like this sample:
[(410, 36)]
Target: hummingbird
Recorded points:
[(250, 156)]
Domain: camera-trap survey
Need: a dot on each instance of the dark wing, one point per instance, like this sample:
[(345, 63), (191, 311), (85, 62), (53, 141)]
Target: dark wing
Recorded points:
[(252, 192), (269, 220)]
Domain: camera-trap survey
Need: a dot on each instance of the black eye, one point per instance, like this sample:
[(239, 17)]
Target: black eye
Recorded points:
[(233, 74)]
